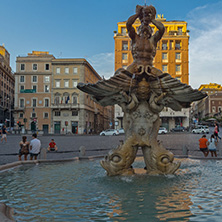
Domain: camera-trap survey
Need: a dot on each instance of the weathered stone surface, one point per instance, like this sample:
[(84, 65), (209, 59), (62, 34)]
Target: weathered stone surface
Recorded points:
[(142, 91)]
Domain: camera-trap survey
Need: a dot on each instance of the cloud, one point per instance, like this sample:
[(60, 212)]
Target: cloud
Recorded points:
[(205, 44), (103, 63)]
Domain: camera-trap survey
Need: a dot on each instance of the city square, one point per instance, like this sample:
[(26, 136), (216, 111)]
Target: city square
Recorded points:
[(111, 115)]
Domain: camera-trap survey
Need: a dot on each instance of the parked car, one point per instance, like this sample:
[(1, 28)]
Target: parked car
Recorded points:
[(109, 132), (121, 131), (162, 130), (201, 129), (178, 129)]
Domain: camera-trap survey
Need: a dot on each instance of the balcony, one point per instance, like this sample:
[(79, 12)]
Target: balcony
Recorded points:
[(65, 106)]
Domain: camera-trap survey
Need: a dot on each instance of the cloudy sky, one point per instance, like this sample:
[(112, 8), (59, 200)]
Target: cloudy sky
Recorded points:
[(84, 29)]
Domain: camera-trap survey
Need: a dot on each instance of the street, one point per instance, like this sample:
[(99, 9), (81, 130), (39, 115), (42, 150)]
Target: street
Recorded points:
[(68, 146)]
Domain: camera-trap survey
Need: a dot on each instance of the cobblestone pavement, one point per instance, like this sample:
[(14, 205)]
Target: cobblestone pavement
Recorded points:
[(98, 145)]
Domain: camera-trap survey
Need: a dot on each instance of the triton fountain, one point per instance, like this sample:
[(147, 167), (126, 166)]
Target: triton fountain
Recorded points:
[(142, 91)]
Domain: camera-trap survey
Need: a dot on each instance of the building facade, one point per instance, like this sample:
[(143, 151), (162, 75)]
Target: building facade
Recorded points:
[(211, 106), (7, 84), (33, 91), (172, 56), (72, 110), (47, 98)]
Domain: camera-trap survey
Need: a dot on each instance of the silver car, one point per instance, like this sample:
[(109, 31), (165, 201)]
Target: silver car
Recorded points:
[(109, 132)]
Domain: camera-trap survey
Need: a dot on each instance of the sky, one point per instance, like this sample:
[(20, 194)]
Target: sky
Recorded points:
[(84, 29)]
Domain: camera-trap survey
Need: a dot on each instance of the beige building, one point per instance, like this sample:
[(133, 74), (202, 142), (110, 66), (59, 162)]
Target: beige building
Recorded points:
[(7, 83), (47, 98), (72, 110), (33, 91)]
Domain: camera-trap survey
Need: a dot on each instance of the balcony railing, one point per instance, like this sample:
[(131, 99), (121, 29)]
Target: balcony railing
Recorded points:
[(64, 106)]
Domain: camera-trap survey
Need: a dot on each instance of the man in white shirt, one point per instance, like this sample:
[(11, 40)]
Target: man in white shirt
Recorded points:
[(35, 146)]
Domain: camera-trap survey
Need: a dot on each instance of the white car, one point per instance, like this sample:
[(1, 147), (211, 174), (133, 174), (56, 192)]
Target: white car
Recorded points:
[(109, 132), (162, 130), (121, 131), (201, 129)]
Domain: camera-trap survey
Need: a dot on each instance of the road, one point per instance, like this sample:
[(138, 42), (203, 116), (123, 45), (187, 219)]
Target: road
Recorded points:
[(98, 145)]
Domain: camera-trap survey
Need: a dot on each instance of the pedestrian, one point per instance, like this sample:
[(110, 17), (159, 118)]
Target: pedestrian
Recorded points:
[(216, 132), (203, 145), (52, 146), (35, 146), (212, 146), (24, 148), (4, 132)]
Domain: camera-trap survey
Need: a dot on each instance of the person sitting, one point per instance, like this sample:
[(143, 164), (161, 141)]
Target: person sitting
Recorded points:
[(212, 146), (52, 146), (203, 145)]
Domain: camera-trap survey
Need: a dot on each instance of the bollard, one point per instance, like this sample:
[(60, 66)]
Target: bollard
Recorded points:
[(43, 153), (185, 151), (82, 151)]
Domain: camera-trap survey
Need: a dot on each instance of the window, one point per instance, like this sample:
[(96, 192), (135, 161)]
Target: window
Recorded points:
[(22, 103), (75, 70), (123, 30), (57, 70), (75, 113), (75, 83), (178, 56), (124, 57), (213, 109), (179, 78), (46, 88), (34, 78), (164, 45), (22, 78), (46, 78), (180, 30), (46, 115), (178, 68), (164, 56), (66, 83), (34, 67), (57, 83), (164, 68), (56, 100), (124, 45), (74, 100), (33, 115), (22, 87), (46, 66), (21, 115), (219, 109), (46, 102), (177, 46), (57, 113), (34, 102), (124, 67), (22, 66), (34, 87), (66, 70)]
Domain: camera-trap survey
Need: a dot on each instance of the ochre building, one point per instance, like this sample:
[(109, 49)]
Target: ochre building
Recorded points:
[(172, 50), (7, 83)]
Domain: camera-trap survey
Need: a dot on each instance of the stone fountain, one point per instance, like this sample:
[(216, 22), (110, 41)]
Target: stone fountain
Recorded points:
[(142, 91)]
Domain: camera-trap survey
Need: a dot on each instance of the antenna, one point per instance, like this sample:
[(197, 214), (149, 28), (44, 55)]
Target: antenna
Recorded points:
[(145, 2)]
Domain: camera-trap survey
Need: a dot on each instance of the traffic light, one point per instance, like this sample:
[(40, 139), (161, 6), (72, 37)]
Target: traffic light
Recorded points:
[(19, 123)]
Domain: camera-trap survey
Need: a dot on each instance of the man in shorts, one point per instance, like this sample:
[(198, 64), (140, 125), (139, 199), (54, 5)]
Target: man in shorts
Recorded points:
[(35, 146), (203, 142)]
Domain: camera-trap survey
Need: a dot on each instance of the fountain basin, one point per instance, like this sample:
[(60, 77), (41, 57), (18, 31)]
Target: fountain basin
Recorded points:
[(81, 191)]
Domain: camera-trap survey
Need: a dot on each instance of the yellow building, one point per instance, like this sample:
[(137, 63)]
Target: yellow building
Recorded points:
[(210, 88), (7, 83), (172, 50), (172, 56)]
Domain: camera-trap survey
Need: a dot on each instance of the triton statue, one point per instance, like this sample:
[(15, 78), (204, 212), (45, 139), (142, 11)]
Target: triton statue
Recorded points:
[(142, 91)]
